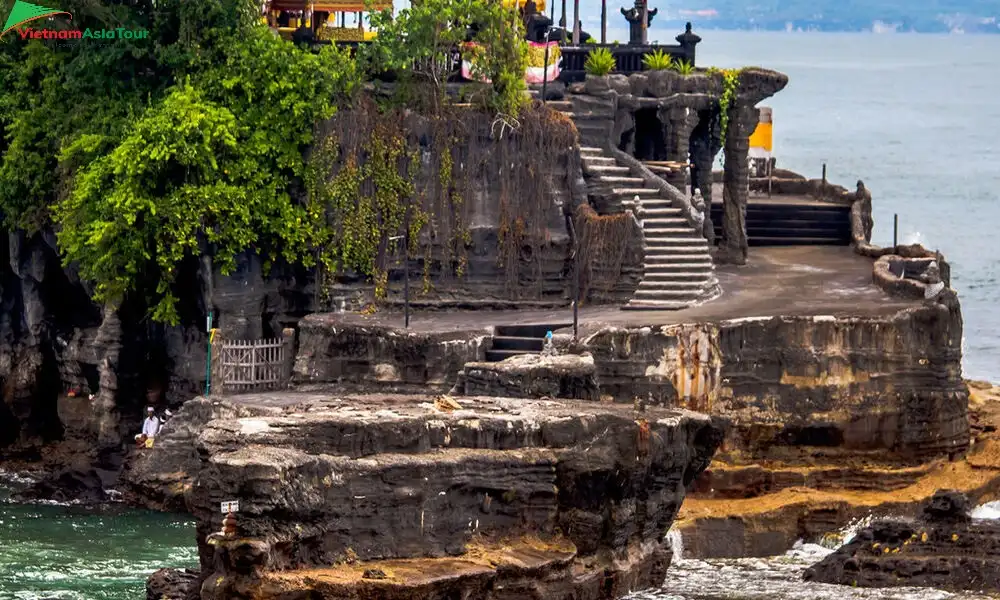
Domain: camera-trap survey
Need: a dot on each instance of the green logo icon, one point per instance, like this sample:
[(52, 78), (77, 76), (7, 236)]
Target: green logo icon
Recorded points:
[(23, 12)]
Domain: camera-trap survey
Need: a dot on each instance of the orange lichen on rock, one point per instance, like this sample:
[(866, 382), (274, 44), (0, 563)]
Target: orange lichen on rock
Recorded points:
[(762, 523)]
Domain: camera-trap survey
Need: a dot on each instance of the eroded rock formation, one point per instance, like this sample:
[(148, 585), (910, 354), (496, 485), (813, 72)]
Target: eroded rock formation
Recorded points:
[(890, 383), (581, 493)]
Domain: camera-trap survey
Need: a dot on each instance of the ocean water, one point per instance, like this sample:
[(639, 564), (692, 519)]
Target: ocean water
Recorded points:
[(914, 116), (52, 552)]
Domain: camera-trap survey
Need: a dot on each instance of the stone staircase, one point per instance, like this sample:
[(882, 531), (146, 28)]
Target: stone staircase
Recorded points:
[(514, 340), (678, 269)]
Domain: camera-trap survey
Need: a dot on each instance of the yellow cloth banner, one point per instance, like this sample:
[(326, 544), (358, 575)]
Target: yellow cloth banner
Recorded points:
[(762, 140), (762, 137)]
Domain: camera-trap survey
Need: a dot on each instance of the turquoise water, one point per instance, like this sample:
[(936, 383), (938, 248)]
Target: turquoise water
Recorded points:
[(72, 553)]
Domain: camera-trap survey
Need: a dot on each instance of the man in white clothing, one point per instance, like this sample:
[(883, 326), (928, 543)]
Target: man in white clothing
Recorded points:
[(150, 428)]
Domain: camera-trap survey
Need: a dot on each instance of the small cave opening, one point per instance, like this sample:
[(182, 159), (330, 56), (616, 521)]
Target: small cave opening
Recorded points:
[(650, 135), (91, 376)]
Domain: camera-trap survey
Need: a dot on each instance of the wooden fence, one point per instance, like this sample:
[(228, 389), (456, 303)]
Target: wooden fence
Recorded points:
[(242, 366)]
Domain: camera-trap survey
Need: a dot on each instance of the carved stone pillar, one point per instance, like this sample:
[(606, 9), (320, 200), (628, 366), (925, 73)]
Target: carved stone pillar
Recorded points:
[(703, 147), (736, 184), (680, 123)]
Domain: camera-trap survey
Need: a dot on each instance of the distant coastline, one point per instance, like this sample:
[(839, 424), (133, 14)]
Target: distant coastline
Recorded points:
[(778, 26)]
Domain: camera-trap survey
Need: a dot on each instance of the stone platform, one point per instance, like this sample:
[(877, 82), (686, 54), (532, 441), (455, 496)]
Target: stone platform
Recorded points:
[(583, 493)]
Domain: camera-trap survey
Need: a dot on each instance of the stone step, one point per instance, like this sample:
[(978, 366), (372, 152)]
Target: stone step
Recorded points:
[(672, 245), (498, 355), (630, 192), (679, 262), (637, 304), (681, 271), (657, 203), (677, 254), (591, 150), (659, 272), (660, 213), (526, 344), (597, 160), (610, 169), (661, 221), (563, 106), (653, 230), (619, 180), (668, 281), (655, 292)]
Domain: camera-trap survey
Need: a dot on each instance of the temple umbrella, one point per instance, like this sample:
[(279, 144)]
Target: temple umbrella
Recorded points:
[(576, 22)]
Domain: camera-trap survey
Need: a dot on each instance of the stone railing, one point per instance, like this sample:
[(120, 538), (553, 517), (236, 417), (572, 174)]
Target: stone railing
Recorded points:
[(692, 214), (628, 59), (910, 271)]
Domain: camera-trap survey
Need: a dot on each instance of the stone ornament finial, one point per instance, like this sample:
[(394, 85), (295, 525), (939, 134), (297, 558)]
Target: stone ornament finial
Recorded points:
[(697, 200)]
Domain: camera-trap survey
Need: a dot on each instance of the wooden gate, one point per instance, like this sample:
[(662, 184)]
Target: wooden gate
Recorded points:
[(252, 365)]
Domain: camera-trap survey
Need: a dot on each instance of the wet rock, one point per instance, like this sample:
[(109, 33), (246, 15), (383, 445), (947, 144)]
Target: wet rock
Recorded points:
[(68, 485), (173, 584), (943, 549)]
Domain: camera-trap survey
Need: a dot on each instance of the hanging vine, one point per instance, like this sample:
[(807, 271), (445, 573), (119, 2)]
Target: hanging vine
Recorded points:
[(377, 167), (730, 83), (603, 245)]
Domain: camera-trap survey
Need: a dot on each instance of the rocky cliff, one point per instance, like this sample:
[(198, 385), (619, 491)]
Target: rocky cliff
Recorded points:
[(841, 384), (485, 493), (78, 374)]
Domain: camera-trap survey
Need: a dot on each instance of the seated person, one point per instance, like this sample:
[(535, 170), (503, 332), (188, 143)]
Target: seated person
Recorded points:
[(150, 428)]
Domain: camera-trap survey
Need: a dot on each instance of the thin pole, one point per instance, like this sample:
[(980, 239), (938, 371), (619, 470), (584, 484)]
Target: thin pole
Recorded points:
[(645, 21), (576, 22), (562, 22), (208, 358), (545, 68), (604, 21), (895, 230), (406, 271)]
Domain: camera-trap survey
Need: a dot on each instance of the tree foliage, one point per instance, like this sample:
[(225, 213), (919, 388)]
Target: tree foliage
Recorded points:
[(144, 153), (207, 169), (421, 45)]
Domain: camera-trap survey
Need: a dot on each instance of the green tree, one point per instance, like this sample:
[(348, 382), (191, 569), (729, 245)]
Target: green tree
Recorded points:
[(420, 43), (207, 169)]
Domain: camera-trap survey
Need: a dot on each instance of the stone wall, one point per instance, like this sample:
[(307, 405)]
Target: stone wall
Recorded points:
[(855, 384), (387, 357)]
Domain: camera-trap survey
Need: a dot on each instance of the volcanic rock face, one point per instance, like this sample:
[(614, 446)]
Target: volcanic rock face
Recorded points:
[(855, 384), (325, 481), (945, 549)]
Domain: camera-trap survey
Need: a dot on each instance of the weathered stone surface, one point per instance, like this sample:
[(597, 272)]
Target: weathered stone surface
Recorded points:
[(748, 510), (173, 584), (534, 376), (888, 383), (943, 549), (323, 478), (332, 350)]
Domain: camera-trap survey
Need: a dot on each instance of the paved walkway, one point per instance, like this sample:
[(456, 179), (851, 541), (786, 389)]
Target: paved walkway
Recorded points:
[(790, 281)]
